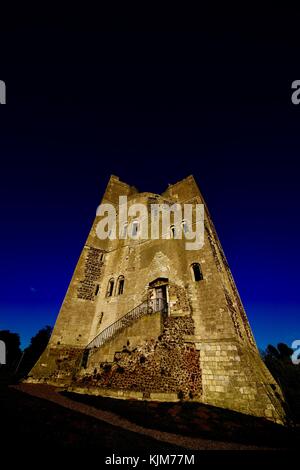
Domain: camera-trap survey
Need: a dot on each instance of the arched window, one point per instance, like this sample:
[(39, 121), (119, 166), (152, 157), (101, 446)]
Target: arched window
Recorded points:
[(120, 288), (173, 231), (135, 228), (110, 288), (197, 273)]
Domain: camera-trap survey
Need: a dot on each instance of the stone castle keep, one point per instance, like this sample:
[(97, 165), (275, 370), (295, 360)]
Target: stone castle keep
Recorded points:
[(150, 320)]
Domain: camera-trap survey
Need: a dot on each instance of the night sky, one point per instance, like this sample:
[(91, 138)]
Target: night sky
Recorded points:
[(152, 108)]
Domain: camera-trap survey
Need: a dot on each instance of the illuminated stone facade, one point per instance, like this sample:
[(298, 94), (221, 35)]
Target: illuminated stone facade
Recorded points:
[(199, 347)]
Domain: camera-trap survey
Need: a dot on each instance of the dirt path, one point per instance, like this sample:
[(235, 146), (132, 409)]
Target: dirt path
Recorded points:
[(50, 393)]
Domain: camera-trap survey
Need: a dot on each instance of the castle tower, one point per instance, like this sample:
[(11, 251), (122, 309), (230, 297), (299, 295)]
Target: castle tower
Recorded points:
[(151, 320)]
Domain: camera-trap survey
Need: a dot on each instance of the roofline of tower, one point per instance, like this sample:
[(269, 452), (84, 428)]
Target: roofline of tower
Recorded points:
[(189, 177), (117, 178), (114, 178)]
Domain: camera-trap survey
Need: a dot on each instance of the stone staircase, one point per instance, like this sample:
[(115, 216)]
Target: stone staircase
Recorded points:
[(145, 308)]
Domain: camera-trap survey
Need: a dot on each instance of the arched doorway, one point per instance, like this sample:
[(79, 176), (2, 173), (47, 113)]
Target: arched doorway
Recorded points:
[(158, 293)]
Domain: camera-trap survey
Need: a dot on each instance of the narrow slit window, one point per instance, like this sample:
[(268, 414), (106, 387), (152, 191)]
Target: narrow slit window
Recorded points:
[(100, 319), (97, 289), (110, 288), (197, 273), (121, 285)]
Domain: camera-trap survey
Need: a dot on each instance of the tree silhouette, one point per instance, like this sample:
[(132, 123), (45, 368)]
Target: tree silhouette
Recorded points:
[(278, 360), (284, 351), (272, 351), (32, 353)]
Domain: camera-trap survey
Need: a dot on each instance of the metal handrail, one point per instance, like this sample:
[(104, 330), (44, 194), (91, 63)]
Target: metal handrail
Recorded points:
[(146, 308)]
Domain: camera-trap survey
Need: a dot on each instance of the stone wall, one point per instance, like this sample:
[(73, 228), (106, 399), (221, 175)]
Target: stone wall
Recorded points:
[(234, 378), (146, 328), (178, 300), (162, 365), (57, 366), (87, 286), (205, 349)]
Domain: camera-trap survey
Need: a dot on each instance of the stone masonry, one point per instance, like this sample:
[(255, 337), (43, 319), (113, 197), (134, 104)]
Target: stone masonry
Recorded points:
[(200, 347)]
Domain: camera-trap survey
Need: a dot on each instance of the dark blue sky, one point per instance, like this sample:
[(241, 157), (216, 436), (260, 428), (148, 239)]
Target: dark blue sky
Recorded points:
[(151, 108)]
